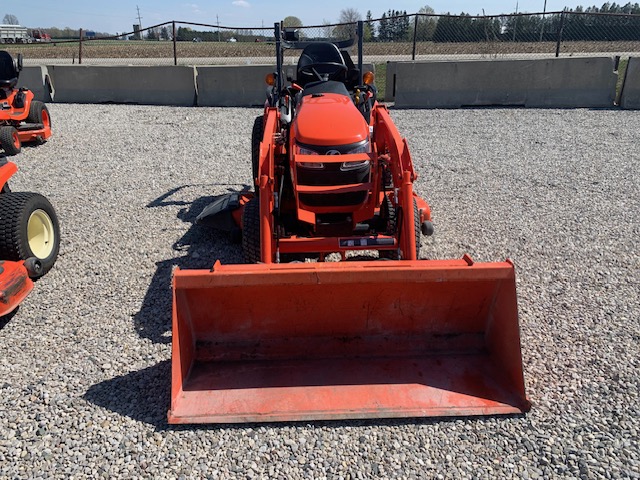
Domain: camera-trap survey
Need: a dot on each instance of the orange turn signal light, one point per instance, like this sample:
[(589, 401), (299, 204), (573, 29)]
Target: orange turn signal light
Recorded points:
[(270, 79), (368, 78)]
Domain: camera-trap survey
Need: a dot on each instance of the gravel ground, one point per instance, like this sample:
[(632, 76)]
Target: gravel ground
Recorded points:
[(84, 377)]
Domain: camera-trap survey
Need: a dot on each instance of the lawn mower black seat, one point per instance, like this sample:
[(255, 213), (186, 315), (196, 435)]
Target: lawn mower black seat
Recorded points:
[(8, 71), (328, 61)]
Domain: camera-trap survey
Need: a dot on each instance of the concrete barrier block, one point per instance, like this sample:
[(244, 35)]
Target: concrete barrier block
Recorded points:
[(573, 83), (239, 86), (630, 97), (232, 86), (145, 85), (390, 86), (37, 80), (557, 82)]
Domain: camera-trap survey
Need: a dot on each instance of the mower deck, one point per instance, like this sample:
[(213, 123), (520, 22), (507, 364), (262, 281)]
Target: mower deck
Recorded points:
[(15, 285), (29, 132)]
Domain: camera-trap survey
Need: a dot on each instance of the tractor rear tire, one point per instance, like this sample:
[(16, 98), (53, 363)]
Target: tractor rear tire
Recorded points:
[(251, 232), (39, 113), (256, 138), (9, 140), (28, 228)]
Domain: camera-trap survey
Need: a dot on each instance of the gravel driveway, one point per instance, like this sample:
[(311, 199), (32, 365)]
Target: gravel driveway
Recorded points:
[(84, 377)]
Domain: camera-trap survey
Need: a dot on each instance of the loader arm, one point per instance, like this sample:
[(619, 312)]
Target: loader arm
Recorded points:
[(389, 142), (265, 181)]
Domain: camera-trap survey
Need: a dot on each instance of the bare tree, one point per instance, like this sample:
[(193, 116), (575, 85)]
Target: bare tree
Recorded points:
[(348, 17), (10, 19)]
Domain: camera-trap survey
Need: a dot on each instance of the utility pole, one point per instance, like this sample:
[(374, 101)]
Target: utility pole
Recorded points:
[(515, 23), (544, 12), (139, 22)]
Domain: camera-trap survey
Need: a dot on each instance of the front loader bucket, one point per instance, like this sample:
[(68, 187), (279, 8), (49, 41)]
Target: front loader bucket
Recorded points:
[(345, 340)]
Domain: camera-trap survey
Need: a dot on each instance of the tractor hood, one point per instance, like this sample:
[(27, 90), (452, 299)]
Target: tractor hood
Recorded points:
[(329, 119)]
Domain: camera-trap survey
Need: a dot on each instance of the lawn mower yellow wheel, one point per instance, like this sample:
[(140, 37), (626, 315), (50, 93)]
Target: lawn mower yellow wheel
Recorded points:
[(40, 234)]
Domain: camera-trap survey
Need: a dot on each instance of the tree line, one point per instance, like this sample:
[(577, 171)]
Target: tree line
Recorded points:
[(577, 24)]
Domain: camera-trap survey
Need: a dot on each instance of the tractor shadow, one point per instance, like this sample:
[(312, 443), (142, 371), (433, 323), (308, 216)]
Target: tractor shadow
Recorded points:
[(143, 395), (199, 248), (4, 321)]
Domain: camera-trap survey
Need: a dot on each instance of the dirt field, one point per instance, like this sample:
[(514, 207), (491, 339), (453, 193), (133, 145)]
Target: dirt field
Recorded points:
[(152, 49)]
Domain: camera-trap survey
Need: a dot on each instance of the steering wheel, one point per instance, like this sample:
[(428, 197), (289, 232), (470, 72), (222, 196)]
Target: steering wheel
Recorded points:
[(310, 69)]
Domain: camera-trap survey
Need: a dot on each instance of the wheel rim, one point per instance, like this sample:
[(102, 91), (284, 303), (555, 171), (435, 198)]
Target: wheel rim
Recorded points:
[(40, 234), (16, 140), (45, 118)]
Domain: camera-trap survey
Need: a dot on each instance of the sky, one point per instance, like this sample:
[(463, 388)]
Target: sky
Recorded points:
[(118, 16)]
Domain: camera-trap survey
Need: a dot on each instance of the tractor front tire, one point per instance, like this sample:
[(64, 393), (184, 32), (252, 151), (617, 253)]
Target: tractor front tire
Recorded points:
[(256, 138), (390, 215), (28, 229), (251, 232), (9, 140)]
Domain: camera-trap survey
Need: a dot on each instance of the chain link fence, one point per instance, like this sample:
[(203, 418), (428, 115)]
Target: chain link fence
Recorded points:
[(466, 37), (393, 38)]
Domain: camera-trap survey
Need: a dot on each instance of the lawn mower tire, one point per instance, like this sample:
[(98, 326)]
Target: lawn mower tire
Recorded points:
[(9, 140), (29, 230)]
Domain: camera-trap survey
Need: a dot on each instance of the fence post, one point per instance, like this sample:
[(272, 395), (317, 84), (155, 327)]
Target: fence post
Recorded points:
[(415, 35), (360, 31), (560, 29), (276, 27), (175, 49), (80, 49)]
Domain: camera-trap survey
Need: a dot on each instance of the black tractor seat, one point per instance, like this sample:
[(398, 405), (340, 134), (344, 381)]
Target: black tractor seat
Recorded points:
[(327, 59)]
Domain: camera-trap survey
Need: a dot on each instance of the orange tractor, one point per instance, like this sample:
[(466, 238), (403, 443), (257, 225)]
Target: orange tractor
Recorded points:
[(381, 333), (29, 240), (22, 119)]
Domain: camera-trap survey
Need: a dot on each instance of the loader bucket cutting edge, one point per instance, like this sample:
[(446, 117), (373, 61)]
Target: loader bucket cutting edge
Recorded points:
[(345, 340)]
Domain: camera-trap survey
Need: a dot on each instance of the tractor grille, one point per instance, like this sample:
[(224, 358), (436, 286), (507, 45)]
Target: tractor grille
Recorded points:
[(332, 199), (332, 175)]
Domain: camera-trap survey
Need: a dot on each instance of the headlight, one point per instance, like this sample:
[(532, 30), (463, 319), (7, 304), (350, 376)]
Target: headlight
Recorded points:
[(346, 166), (311, 165), (306, 151), (364, 148), (315, 165)]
